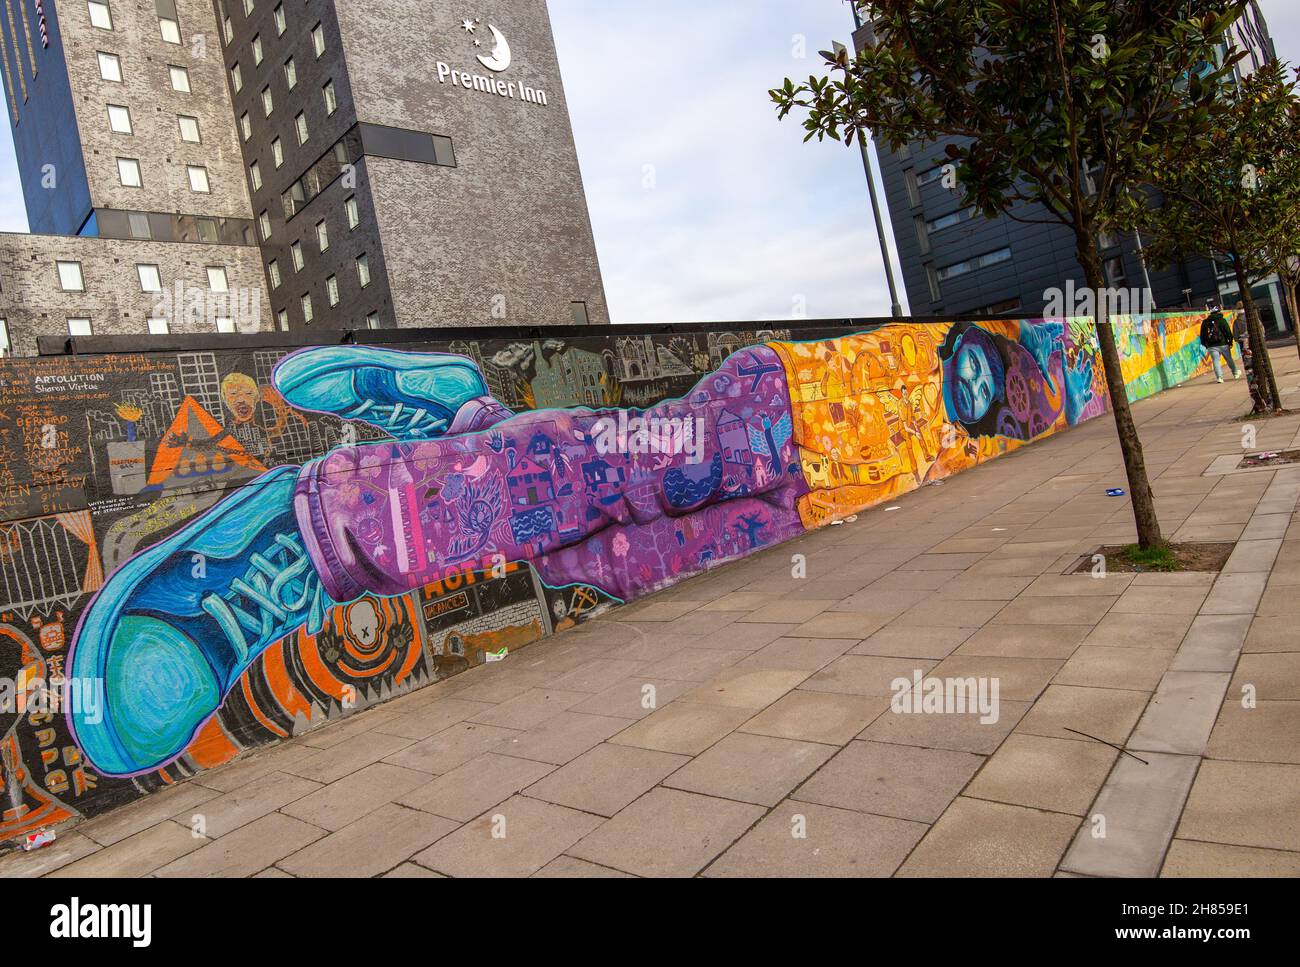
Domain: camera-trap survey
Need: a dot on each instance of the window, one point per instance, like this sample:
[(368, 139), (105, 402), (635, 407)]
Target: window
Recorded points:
[(208, 230), (930, 176), (264, 225), (282, 320), (119, 119), (363, 270), (159, 327), (277, 153), (255, 175), (922, 234), (280, 24), (225, 324), (70, 278), (227, 30), (138, 225), (323, 236), (290, 73), (237, 78), (972, 265), (257, 49), (932, 277), (1115, 274), (332, 287), (913, 192), (274, 271), (949, 220), (128, 173), (353, 211), (79, 326), (171, 30), (248, 7), (300, 126), (189, 128), (110, 67), (100, 15), (318, 39), (372, 321), (150, 278), (217, 280), (4, 338), (198, 178), (331, 101), (180, 79), (307, 314), (268, 102), (298, 261), (578, 312)]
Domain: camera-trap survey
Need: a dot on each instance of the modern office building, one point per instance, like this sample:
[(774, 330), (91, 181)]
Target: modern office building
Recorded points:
[(957, 263), (412, 169)]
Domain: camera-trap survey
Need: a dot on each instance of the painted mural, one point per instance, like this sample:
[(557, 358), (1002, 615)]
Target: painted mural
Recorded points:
[(206, 552)]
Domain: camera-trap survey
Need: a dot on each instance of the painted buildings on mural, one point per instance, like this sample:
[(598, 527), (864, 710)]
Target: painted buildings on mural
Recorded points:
[(955, 262), (370, 521), (362, 172)]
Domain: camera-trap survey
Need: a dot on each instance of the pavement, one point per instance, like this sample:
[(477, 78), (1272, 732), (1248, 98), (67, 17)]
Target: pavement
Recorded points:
[(740, 723)]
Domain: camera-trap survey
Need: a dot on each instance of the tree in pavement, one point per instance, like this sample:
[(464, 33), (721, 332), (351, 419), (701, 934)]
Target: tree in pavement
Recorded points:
[(1052, 110), (1234, 195)]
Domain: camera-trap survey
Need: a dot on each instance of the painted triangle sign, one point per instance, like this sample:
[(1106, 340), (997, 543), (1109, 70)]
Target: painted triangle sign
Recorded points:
[(197, 450)]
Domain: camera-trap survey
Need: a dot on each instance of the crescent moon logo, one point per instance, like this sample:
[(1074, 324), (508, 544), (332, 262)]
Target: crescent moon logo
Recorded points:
[(499, 60)]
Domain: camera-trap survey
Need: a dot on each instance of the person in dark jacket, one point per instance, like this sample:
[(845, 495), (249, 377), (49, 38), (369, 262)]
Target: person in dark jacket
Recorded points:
[(1217, 338)]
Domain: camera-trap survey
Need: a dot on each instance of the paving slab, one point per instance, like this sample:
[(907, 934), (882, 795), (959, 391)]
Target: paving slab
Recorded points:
[(516, 838), (478, 785), (1214, 861), (1244, 804), (753, 768), (1108, 714), (248, 850), (668, 833), (990, 839), (607, 778), (891, 780), (1061, 775), (825, 717), (373, 844), (1181, 713), (799, 839)]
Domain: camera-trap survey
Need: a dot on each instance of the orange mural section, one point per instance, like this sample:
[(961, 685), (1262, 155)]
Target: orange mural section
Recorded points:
[(870, 417)]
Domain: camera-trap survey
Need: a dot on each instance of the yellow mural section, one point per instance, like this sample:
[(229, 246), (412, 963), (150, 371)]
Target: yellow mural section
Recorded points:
[(869, 417)]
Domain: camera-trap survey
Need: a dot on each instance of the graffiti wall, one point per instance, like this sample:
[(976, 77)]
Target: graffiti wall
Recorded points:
[(205, 552)]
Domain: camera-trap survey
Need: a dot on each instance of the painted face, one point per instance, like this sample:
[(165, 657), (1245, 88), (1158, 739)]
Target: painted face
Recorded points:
[(975, 389)]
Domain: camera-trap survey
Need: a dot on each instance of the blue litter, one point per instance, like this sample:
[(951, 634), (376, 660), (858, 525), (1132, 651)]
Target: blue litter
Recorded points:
[(1115, 492)]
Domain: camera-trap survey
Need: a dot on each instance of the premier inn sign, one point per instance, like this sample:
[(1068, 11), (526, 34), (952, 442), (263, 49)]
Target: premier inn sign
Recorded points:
[(497, 60)]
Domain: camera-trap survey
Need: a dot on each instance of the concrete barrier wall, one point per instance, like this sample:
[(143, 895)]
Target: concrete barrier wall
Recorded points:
[(202, 553)]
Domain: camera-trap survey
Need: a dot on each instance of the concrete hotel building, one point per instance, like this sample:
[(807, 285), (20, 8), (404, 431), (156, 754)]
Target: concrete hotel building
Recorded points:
[(296, 163)]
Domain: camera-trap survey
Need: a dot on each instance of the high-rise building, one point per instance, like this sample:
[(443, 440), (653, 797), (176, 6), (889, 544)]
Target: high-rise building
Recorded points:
[(353, 169), (955, 262)]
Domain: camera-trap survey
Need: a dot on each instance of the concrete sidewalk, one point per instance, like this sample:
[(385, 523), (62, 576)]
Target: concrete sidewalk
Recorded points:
[(740, 723)]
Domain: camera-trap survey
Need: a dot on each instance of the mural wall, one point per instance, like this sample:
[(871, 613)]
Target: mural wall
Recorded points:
[(205, 552)]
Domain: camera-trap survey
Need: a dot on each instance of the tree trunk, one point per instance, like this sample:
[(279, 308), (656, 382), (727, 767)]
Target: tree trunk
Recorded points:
[(1258, 344), (1139, 487)]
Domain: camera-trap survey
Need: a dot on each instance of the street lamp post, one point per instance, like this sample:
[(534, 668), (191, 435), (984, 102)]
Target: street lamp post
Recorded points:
[(896, 307)]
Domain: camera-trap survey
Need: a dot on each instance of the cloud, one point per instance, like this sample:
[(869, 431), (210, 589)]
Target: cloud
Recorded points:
[(706, 207)]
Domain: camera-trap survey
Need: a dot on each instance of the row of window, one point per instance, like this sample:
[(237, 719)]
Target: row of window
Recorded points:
[(110, 69), (129, 175), (282, 317), (169, 25), (72, 279), (119, 121)]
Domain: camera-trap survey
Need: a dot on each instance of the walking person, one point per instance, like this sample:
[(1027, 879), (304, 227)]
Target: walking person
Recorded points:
[(1217, 338)]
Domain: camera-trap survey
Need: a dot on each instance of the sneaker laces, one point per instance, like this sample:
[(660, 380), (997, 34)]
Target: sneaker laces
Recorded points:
[(278, 591), (398, 420)]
